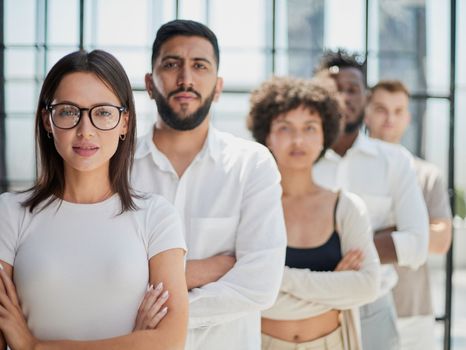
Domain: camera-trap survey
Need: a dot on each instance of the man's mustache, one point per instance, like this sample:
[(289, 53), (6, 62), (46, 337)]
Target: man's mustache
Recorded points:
[(184, 89)]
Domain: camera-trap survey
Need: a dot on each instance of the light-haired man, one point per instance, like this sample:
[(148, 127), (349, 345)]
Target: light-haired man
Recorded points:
[(387, 117)]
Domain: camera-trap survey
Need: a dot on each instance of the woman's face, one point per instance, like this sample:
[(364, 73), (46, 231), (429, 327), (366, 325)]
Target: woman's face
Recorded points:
[(296, 138), (84, 148)]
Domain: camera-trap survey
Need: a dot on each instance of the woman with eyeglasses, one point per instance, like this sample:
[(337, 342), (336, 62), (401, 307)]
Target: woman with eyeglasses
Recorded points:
[(80, 248), (332, 266)]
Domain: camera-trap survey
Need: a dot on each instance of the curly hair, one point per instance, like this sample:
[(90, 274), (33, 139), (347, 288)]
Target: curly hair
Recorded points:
[(280, 95)]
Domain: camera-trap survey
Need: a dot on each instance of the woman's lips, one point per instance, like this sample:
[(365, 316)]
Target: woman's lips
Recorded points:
[(85, 151)]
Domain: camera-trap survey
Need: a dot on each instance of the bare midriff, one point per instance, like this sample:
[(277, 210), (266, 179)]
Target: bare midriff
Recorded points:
[(302, 330)]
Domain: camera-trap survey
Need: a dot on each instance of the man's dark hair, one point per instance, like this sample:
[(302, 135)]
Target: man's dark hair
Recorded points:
[(186, 28), (341, 59)]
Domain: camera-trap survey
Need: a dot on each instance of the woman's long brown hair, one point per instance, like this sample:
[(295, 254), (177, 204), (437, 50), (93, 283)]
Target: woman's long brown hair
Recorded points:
[(50, 183)]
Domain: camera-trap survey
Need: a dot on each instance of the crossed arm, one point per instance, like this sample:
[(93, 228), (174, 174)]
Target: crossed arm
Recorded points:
[(170, 333)]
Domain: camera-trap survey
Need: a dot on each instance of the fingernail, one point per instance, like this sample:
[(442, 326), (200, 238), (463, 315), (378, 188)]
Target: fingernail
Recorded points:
[(1, 267), (164, 310), (159, 287), (165, 294), (150, 287)]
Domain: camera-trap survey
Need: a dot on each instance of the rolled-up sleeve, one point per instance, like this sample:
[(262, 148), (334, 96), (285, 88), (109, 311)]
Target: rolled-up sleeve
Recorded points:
[(253, 283), (411, 238)]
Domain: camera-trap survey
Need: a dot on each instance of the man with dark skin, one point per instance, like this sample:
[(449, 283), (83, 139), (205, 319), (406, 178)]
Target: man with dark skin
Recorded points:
[(383, 176)]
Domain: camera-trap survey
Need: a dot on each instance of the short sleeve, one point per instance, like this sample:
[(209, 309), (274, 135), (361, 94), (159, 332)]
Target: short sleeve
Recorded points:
[(10, 210), (164, 227), (436, 197)]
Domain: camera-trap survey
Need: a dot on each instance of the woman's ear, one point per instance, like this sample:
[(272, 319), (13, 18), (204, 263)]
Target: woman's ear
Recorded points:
[(46, 120), (124, 126)]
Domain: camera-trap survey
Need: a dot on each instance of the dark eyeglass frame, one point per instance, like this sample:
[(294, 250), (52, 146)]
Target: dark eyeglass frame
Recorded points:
[(49, 108)]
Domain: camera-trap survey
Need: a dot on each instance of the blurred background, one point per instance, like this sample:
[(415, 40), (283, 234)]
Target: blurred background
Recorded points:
[(421, 42)]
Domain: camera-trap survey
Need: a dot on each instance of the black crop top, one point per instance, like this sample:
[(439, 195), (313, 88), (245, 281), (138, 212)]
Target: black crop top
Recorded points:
[(322, 258)]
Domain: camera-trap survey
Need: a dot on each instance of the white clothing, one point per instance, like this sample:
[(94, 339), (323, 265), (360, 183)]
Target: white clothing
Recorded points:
[(230, 199), (378, 324), (306, 293), (81, 270), (383, 175), (417, 332)]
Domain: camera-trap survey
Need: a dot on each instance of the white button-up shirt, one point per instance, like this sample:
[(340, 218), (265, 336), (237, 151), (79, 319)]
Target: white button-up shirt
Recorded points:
[(383, 175), (230, 201)]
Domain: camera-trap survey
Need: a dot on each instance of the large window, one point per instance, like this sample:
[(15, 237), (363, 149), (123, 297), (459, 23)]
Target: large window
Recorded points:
[(403, 39), (258, 38)]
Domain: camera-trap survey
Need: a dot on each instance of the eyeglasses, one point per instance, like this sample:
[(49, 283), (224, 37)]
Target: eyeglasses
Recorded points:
[(67, 115)]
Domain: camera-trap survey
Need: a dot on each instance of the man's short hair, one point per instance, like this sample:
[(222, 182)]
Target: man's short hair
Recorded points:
[(185, 28), (335, 60), (280, 95), (391, 86)]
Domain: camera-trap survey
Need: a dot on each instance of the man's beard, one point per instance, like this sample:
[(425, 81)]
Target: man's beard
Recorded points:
[(351, 127), (177, 121)]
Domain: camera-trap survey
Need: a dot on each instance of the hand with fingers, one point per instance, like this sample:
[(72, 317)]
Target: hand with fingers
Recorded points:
[(152, 309), (351, 261), (13, 325)]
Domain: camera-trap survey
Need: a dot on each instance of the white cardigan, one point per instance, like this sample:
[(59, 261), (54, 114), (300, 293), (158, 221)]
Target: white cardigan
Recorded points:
[(305, 293)]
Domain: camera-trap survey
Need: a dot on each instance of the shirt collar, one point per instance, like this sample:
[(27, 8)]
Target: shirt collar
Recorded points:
[(363, 144), (211, 147)]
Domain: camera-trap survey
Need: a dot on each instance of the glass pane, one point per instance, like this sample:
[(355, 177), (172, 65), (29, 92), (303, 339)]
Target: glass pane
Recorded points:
[(146, 112), (20, 22), (436, 133), (344, 24), (249, 32), (193, 9), (411, 43), (460, 146), (20, 63), (460, 130), (310, 26), (63, 22), (461, 46), (20, 160), (21, 97), (297, 62), (437, 69), (121, 22), (243, 69), (230, 112), (136, 63)]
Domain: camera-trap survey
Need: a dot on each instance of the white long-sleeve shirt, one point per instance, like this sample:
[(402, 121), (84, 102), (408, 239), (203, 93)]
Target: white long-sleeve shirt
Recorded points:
[(230, 200), (383, 175)]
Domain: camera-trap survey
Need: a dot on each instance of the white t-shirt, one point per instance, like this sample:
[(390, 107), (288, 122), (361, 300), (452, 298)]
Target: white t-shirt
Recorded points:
[(81, 270)]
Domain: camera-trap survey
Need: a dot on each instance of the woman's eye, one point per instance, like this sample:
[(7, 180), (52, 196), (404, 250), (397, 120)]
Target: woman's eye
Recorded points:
[(67, 113)]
